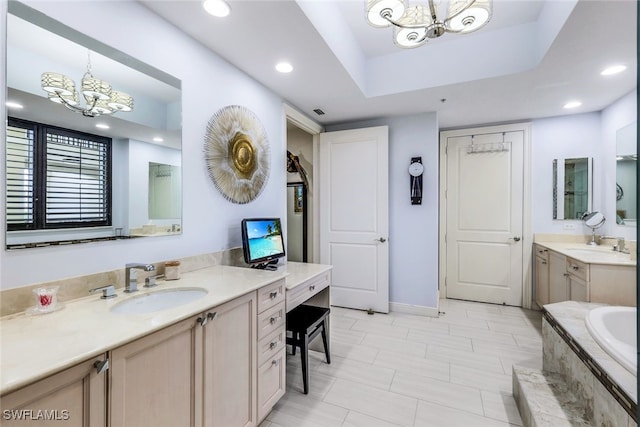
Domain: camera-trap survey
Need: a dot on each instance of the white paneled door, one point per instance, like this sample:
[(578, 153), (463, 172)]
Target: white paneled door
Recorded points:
[(484, 216), (354, 216)]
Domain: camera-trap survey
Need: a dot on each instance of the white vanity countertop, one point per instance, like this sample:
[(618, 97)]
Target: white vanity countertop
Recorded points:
[(590, 254), (298, 272), (35, 346)]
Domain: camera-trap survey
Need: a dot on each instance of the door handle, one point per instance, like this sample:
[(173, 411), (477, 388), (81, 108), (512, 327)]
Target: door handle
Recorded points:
[(515, 238), (101, 365), (381, 240)]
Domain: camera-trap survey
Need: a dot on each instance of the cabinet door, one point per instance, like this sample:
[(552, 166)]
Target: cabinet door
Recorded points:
[(154, 380), (73, 397), (542, 281), (229, 364), (577, 288), (558, 289), (271, 382)]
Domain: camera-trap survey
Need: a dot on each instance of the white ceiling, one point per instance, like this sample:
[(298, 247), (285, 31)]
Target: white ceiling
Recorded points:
[(532, 57)]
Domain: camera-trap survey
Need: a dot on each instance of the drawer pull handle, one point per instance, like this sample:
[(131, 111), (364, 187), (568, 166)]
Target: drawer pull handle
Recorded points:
[(575, 267), (566, 274), (212, 316), (312, 287), (273, 295), (274, 320), (273, 345), (544, 262), (101, 365), (275, 362), (202, 321)]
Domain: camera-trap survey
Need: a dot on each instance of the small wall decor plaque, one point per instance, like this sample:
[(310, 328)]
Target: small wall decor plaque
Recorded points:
[(237, 154)]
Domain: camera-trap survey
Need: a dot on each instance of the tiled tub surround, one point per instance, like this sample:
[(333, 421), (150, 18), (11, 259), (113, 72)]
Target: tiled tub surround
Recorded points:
[(580, 384)]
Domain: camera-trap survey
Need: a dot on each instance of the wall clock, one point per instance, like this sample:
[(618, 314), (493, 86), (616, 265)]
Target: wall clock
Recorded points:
[(416, 169)]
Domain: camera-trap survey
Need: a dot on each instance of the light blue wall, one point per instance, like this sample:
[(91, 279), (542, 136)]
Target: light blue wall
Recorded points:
[(580, 135), (413, 229), (562, 137), (210, 223)]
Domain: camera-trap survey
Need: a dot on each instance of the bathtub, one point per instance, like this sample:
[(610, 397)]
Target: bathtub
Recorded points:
[(614, 329)]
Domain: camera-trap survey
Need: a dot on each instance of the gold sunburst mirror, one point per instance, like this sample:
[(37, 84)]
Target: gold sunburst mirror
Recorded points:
[(236, 151)]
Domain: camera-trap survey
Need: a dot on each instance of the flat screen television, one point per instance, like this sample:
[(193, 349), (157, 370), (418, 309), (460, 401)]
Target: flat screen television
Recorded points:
[(262, 242)]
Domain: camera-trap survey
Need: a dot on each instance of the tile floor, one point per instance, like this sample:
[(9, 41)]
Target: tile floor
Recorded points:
[(406, 370)]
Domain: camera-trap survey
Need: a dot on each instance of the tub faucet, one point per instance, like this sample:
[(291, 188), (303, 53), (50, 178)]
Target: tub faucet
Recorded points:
[(131, 275)]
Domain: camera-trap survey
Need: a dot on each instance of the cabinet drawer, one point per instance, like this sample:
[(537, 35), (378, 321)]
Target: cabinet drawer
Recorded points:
[(542, 252), (271, 344), (578, 269), (271, 383), (306, 290), (270, 295), (271, 320)]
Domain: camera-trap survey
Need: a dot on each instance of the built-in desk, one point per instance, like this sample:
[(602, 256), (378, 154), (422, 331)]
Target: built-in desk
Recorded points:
[(309, 284)]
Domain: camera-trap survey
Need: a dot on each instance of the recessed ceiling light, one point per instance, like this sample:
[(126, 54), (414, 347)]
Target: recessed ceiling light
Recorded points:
[(572, 104), (157, 139), (284, 67), (11, 104), (614, 69), (219, 8), (102, 126)]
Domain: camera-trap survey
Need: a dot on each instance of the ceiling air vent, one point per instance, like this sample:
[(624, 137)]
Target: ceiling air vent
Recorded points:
[(318, 111)]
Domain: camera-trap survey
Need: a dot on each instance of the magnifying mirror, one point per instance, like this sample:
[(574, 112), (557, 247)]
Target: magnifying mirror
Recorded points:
[(593, 220)]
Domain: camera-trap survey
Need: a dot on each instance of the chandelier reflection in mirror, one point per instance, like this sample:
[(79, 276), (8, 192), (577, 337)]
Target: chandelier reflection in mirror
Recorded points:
[(414, 25), (100, 98)]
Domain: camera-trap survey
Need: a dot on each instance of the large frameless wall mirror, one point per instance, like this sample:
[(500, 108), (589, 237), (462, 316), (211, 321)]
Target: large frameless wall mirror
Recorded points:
[(626, 175), (50, 196), (572, 187)]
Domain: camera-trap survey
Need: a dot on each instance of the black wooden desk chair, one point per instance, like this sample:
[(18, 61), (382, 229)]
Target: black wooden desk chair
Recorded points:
[(305, 322)]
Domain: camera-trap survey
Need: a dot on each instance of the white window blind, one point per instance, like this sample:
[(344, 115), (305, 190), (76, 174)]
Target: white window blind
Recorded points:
[(57, 178), (76, 179), (20, 180)]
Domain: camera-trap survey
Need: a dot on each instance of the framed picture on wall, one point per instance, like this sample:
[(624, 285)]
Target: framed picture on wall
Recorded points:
[(298, 198)]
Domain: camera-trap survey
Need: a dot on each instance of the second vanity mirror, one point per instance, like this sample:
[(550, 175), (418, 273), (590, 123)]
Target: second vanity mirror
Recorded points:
[(143, 192), (572, 187), (626, 175)]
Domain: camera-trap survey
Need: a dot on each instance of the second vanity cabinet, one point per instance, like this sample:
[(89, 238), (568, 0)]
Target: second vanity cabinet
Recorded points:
[(541, 275), (560, 278)]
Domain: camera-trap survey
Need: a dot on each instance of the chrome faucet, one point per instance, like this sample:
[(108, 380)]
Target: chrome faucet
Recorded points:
[(131, 275), (619, 246)]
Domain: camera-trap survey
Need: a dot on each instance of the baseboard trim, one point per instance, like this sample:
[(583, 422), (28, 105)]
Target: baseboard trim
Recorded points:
[(419, 310)]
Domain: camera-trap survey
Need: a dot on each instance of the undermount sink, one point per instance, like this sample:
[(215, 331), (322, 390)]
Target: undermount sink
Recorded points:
[(594, 251), (158, 300)]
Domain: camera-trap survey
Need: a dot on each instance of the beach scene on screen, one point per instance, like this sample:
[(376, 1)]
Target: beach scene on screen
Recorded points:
[(265, 238)]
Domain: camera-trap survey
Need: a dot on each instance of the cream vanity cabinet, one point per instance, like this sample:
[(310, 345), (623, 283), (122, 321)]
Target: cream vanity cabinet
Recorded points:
[(541, 275), (558, 286), (223, 367), (74, 397), (271, 347), (155, 379), (560, 278), (198, 372)]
